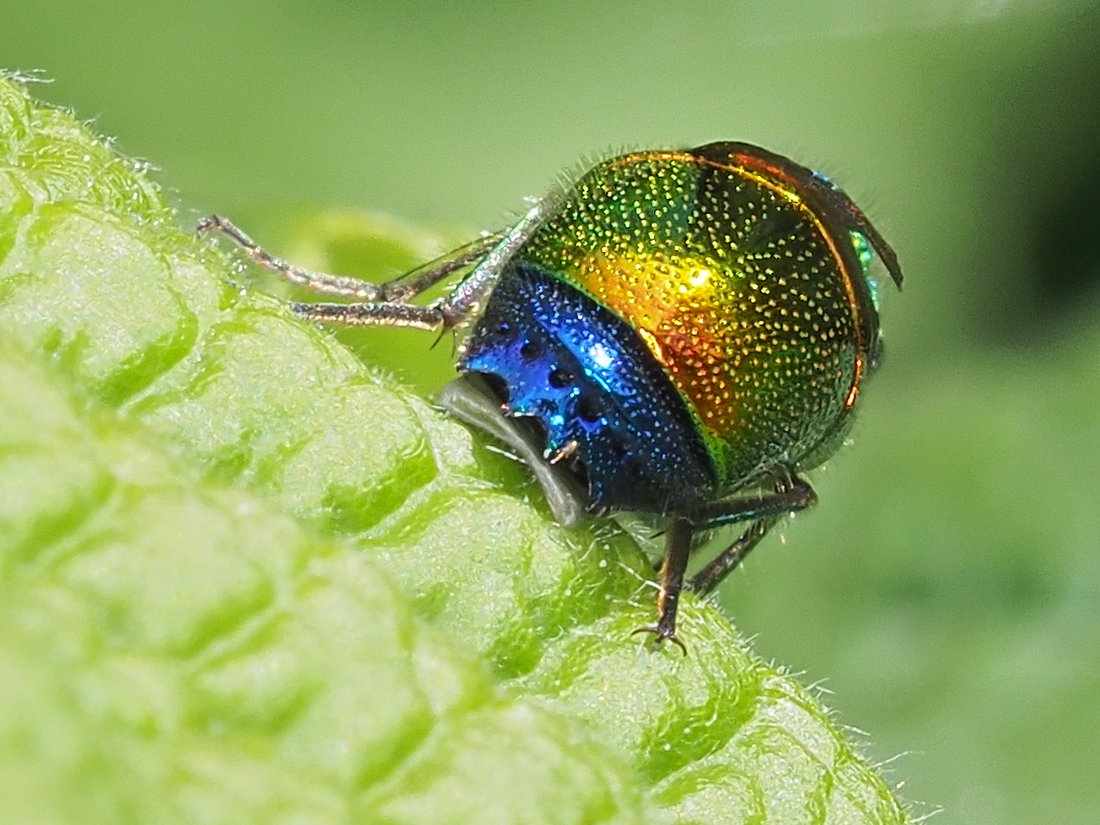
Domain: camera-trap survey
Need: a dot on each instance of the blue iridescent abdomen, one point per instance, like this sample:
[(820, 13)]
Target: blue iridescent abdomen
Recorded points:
[(590, 383)]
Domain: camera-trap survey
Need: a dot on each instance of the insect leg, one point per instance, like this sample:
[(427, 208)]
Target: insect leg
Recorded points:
[(791, 494), (387, 304), (401, 288), (677, 550), (374, 314), (415, 281), (725, 562), (475, 287)]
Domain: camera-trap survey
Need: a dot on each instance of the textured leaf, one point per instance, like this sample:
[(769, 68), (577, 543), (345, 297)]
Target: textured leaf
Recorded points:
[(248, 577)]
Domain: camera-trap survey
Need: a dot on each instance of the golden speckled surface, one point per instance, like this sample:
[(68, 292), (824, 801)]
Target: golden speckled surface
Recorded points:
[(734, 284)]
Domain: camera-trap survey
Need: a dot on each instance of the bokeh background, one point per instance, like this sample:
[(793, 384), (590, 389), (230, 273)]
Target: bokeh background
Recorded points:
[(947, 589)]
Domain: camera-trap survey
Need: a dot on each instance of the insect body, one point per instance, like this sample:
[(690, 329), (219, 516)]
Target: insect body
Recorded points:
[(679, 333)]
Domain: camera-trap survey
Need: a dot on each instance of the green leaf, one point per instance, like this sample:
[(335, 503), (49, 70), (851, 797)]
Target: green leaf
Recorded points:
[(248, 577)]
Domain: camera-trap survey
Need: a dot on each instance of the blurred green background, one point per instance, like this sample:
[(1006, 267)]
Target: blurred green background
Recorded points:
[(947, 589)]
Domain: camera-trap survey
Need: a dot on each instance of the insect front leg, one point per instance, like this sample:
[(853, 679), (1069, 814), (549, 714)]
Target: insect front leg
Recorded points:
[(388, 304), (401, 288)]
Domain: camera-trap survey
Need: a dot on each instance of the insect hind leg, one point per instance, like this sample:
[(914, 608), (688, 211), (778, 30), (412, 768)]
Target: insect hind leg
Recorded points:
[(791, 494)]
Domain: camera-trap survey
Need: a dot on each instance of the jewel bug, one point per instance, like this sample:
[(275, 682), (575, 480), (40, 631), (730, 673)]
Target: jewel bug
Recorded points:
[(679, 333)]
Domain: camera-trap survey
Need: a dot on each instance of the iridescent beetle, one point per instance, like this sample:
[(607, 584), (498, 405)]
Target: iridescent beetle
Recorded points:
[(679, 333)]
